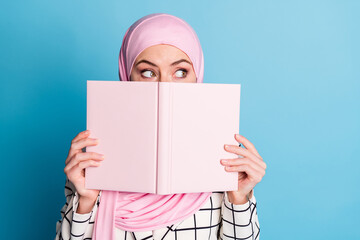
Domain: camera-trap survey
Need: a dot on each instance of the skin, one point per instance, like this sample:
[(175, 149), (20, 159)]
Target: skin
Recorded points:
[(164, 63)]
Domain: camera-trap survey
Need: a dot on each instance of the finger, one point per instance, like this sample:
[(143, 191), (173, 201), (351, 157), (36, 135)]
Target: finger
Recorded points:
[(247, 144), (79, 169), (83, 156), (84, 143), (81, 135), (253, 158), (241, 151), (237, 161), (253, 174), (89, 163), (80, 145)]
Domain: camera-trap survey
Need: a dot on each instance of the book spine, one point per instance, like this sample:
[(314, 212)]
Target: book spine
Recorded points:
[(164, 138)]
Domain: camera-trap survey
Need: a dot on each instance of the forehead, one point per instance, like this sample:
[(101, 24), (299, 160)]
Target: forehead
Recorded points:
[(162, 53)]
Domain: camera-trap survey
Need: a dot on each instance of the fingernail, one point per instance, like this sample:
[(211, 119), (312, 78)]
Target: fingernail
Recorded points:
[(102, 156), (224, 161), (227, 146), (86, 132)]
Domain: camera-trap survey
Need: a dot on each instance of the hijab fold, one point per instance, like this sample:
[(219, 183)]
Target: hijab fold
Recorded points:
[(145, 211)]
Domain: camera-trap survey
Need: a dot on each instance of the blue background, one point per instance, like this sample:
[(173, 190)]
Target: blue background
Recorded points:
[(298, 63)]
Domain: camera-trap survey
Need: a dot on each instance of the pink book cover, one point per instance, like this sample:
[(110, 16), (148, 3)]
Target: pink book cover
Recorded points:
[(162, 137)]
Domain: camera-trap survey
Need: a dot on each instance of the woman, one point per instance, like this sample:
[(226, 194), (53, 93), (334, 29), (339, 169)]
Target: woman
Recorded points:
[(160, 47)]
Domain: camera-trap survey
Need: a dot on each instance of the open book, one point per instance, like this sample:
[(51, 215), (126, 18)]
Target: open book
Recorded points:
[(162, 137)]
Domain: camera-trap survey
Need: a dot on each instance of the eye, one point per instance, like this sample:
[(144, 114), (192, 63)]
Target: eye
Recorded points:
[(181, 73), (148, 74)]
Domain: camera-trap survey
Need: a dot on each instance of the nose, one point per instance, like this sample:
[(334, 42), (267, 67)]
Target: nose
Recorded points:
[(165, 78)]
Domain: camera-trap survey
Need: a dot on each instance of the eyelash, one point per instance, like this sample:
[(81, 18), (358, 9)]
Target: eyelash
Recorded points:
[(184, 70), (145, 70), (180, 69)]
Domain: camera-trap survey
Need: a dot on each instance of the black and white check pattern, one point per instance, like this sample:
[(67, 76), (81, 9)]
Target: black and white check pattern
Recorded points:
[(217, 219)]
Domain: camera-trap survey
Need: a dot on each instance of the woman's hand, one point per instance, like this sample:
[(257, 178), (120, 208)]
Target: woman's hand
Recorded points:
[(250, 168), (76, 162)]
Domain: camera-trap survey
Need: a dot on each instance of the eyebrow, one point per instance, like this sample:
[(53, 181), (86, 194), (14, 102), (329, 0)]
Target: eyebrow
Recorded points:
[(180, 61), (153, 64)]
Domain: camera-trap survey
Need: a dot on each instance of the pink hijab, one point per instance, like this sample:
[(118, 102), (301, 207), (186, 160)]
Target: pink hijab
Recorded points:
[(144, 211)]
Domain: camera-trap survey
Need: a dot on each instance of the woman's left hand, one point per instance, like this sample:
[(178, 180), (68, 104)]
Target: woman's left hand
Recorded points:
[(250, 168)]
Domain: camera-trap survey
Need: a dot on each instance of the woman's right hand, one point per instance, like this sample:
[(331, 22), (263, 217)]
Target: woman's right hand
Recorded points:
[(75, 165)]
